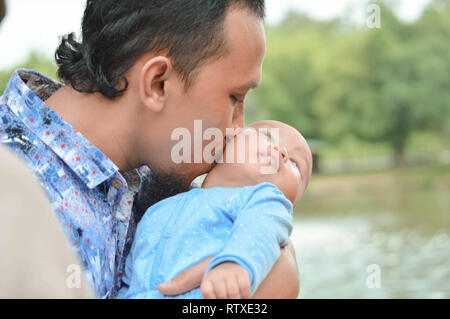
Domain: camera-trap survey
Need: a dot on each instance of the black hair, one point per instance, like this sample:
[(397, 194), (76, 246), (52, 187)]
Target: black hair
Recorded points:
[(115, 33)]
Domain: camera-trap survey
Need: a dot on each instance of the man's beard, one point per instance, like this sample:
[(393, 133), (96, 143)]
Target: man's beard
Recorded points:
[(155, 188)]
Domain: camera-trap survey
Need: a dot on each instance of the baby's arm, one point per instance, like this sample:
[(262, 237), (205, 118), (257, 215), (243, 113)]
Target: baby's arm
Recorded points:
[(259, 229)]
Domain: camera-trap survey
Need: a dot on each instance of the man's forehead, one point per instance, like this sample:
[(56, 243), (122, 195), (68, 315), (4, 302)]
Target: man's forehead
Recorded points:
[(243, 28), (245, 42)]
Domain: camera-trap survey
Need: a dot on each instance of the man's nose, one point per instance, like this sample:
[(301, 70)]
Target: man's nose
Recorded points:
[(238, 117)]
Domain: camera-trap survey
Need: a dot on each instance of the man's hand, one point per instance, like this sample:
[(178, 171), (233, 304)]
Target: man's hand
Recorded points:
[(187, 280), (226, 281), (281, 282)]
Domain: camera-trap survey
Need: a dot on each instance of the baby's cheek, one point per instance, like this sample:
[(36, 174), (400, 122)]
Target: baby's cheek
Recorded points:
[(295, 183)]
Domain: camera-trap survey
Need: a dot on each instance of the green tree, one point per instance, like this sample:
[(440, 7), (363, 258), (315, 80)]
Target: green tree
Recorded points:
[(291, 66), (386, 84), (36, 62)]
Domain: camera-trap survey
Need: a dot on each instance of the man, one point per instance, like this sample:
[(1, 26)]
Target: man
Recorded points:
[(142, 69)]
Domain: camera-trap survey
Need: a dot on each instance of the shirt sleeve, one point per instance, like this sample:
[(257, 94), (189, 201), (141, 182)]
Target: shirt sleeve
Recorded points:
[(260, 228)]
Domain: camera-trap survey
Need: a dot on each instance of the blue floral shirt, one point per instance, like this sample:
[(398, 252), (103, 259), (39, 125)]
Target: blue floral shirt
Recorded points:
[(92, 200)]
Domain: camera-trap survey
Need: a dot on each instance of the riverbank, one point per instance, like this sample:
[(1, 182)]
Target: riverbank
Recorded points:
[(378, 234), (409, 190)]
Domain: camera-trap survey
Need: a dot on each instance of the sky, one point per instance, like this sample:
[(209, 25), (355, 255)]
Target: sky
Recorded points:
[(56, 17)]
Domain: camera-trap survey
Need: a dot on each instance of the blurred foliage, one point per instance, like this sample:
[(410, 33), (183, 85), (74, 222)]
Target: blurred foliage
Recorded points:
[(341, 83), (410, 191), (364, 91), (35, 61)]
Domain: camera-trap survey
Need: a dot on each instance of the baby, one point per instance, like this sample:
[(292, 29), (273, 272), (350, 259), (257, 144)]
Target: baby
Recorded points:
[(241, 216)]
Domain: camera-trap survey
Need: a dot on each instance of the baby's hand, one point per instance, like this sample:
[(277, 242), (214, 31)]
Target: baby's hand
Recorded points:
[(226, 281)]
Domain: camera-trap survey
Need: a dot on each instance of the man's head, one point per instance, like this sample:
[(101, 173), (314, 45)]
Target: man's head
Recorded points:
[(173, 62)]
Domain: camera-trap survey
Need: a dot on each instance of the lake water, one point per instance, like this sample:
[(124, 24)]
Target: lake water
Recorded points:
[(377, 255)]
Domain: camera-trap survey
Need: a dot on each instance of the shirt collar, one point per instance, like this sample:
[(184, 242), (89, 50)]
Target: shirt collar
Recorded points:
[(83, 158)]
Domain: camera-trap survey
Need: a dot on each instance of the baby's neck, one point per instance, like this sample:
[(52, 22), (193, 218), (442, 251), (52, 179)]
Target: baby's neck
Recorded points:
[(216, 179)]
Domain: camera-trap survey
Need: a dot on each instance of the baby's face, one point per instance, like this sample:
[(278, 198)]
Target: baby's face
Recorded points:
[(271, 151)]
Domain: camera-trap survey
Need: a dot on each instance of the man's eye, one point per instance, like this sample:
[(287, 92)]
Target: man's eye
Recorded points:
[(235, 100)]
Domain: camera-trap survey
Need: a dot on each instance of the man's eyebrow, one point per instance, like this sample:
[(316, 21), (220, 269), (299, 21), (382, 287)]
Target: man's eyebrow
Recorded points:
[(247, 87)]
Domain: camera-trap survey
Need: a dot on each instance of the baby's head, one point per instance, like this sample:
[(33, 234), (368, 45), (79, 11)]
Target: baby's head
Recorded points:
[(267, 151)]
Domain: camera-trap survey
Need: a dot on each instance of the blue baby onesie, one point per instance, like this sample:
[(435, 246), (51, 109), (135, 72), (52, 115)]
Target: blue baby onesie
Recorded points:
[(245, 225)]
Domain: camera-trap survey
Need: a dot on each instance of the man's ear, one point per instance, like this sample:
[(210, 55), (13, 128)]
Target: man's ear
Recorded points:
[(152, 85)]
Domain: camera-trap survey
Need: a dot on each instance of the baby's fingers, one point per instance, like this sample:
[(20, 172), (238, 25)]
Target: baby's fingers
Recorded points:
[(244, 285), (233, 289), (207, 290), (220, 289)]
